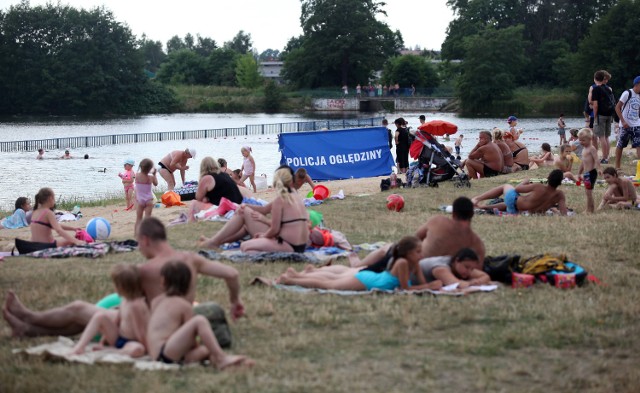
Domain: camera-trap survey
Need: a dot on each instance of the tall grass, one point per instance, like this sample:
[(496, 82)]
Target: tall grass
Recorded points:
[(540, 339)]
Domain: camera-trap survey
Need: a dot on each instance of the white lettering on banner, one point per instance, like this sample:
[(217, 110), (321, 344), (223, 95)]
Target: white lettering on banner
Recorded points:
[(350, 158)]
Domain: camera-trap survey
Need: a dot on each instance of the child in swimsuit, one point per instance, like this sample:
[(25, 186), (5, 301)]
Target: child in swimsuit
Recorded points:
[(44, 222), (404, 263), (145, 180), (590, 166), (248, 167), (621, 194), (128, 176), (128, 331), (19, 217), (174, 334)]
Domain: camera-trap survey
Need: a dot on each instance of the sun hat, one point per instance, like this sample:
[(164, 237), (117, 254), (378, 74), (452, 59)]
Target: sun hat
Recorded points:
[(129, 161), (192, 151), (511, 118), (636, 80)]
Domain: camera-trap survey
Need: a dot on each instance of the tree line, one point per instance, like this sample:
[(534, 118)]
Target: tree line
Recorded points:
[(56, 59)]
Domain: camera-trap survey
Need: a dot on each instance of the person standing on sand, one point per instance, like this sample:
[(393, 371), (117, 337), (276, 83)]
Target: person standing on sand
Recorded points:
[(177, 159)]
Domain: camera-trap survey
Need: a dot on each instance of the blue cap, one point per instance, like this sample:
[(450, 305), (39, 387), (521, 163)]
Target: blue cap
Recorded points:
[(129, 161), (511, 118), (636, 80)]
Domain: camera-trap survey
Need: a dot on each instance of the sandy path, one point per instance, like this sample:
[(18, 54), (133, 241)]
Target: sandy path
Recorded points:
[(122, 221)]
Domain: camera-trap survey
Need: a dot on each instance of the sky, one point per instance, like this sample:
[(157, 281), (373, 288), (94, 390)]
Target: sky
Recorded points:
[(270, 22)]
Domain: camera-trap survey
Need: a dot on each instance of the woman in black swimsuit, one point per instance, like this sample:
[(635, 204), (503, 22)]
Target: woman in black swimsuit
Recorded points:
[(286, 230), (214, 184), (519, 152), (44, 222)]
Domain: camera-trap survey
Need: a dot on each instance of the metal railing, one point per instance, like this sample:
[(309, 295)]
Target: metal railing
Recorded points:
[(117, 139)]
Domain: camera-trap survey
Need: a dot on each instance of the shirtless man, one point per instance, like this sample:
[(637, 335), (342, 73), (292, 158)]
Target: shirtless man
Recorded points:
[(177, 159), (72, 318), (301, 177), (538, 200), (504, 148), (485, 158)]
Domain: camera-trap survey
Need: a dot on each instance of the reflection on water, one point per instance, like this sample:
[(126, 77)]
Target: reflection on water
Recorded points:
[(97, 177)]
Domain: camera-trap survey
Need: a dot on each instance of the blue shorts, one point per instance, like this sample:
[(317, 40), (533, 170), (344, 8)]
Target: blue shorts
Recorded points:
[(383, 280), (631, 133), (120, 342), (511, 200)]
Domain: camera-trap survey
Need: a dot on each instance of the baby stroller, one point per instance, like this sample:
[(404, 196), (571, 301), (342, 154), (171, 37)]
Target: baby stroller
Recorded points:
[(435, 163)]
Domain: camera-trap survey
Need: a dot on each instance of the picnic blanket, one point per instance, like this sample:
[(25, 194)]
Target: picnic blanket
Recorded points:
[(450, 290), (93, 250), (61, 350), (318, 256)]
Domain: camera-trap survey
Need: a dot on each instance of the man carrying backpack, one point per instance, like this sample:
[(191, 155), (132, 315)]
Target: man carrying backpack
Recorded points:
[(628, 109), (604, 104)]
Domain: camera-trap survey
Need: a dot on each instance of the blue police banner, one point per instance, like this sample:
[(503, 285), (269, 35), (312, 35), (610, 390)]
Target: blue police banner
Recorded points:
[(338, 154)]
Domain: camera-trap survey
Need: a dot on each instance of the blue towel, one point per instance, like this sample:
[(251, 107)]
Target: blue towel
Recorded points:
[(17, 220)]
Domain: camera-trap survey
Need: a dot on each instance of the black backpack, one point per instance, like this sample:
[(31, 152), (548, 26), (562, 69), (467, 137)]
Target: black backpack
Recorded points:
[(606, 101)]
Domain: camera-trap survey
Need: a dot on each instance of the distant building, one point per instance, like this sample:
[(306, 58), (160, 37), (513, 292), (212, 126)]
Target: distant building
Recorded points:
[(271, 70)]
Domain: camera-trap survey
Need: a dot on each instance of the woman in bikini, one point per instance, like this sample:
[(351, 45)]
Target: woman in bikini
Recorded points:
[(44, 222), (286, 230), (519, 152), (464, 269), (403, 264)]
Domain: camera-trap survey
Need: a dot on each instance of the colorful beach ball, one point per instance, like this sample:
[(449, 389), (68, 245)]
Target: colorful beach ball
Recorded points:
[(395, 202), (99, 228)]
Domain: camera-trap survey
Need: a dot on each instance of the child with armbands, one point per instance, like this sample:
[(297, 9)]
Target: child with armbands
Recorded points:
[(128, 331)]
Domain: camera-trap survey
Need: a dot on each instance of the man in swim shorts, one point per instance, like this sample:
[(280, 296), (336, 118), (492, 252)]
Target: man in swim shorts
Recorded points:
[(177, 159), (538, 199), (485, 159), (72, 318)]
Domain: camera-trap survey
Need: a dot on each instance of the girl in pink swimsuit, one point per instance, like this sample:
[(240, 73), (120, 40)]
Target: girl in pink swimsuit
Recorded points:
[(248, 167), (145, 179), (128, 176)]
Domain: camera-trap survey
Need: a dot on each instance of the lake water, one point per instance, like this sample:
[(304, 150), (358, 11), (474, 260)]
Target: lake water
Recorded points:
[(87, 179)]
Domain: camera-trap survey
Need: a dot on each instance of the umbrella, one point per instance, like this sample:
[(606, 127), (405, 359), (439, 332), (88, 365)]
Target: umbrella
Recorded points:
[(439, 127)]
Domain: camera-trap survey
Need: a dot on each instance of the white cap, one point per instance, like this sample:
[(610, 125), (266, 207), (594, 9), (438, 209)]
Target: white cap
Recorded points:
[(192, 151)]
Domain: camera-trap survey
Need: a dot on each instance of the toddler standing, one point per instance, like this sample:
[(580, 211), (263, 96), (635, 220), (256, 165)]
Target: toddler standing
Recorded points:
[(248, 167), (145, 180), (590, 166), (128, 176)]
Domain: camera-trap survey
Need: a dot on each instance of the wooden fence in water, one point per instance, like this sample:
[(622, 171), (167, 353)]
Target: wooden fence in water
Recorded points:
[(117, 139)]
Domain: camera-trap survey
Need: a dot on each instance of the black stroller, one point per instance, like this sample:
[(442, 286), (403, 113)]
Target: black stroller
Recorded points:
[(435, 163)]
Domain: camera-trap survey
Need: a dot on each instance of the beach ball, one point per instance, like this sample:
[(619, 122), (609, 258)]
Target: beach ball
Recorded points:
[(395, 202), (99, 228)]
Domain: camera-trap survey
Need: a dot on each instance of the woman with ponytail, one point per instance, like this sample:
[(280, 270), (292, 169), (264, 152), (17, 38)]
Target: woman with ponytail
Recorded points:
[(404, 265), (43, 222), (287, 230)]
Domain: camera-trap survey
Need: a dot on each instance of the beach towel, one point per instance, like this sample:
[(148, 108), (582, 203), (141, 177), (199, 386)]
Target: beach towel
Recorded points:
[(450, 290), (93, 250), (61, 350), (17, 220), (314, 257)]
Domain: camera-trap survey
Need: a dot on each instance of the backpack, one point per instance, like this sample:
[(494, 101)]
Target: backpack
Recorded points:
[(606, 101), (500, 268), (625, 104)]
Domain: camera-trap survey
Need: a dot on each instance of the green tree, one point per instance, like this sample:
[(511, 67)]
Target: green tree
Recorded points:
[(221, 67), (174, 44), (270, 55), (152, 53), (247, 72), (241, 43), (493, 59), (205, 46), (410, 70), (272, 97), (342, 42), (184, 67), (612, 44), (60, 60)]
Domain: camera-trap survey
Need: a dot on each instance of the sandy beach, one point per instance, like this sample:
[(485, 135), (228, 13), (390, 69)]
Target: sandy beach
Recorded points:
[(122, 221)]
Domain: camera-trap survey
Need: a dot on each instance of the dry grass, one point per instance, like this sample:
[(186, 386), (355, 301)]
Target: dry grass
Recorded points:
[(537, 340)]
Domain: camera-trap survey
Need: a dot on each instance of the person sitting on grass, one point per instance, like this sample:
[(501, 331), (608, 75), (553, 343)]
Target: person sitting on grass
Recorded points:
[(564, 162), (405, 262), (128, 331), (538, 199), (485, 159), (544, 159), (213, 186), (44, 222), (463, 268), (175, 334), (621, 193), (19, 217)]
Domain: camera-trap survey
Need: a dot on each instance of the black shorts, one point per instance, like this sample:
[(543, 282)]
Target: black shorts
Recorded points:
[(490, 172), (163, 166)]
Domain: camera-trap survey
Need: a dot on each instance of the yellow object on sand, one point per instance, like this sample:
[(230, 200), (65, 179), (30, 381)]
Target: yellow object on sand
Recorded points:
[(576, 159)]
